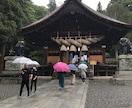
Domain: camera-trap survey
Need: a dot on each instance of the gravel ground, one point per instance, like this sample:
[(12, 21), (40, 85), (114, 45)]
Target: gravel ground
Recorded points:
[(103, 94), (8, 90)]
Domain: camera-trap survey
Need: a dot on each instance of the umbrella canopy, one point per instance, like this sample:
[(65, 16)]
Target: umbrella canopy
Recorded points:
[(22, 60), (61, 67), (82, 66), (72, 67), (33, 63)]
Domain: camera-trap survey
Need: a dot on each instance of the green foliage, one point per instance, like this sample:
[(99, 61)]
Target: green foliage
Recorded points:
[(37, 55), (125, 3), (12, 17), (119, 12), (39, 11), (129, 36)]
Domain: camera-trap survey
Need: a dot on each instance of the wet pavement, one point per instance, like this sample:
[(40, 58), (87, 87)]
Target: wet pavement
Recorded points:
[(104, 94), (49, 95)]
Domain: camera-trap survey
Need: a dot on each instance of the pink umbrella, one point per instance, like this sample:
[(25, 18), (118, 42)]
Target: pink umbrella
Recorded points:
[(61, 67)]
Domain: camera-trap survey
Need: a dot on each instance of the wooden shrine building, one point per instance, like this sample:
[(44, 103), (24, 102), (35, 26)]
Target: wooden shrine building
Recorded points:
[(74, 27)]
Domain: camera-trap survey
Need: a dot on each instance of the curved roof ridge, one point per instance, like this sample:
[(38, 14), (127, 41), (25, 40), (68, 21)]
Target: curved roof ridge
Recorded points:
[(85, 6)]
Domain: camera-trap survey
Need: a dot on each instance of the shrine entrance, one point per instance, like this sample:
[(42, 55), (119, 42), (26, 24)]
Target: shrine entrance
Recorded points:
[(75, 29)]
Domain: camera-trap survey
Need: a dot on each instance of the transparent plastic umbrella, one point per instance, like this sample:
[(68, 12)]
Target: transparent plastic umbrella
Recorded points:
[(82, 66), (22, 60)]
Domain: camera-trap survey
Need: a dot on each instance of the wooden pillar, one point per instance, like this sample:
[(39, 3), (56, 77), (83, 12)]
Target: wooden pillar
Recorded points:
[(61, 56), (103, 52), (45, 54)]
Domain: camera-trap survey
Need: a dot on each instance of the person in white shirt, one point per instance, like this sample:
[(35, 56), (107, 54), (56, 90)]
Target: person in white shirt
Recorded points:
[(82, 58)]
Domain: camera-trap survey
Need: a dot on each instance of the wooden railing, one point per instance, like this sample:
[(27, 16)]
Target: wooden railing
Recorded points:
[(104, 70)]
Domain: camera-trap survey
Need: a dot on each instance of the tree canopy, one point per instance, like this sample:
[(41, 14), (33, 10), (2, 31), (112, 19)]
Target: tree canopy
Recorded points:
[(15, 14), (99, 7), (51, 5)]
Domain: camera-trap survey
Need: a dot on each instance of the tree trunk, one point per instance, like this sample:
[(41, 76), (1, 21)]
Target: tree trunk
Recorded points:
[(2, 57)]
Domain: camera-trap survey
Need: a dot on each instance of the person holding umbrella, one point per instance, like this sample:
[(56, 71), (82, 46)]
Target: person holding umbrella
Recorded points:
[(83, 75), (73, 69), (83, 69), (61, 68)]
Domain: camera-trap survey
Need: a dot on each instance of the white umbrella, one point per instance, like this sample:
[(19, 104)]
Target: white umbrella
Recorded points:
[(33, 63), (22, 60), (82, 66)]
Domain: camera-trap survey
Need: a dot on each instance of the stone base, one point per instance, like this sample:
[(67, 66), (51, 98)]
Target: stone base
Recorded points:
[(9, 66), (123, 74), (125, 62), (122, 78), (121, 81)]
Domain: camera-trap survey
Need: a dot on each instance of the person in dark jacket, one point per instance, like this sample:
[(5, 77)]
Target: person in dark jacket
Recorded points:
[(25, 79), (34, 78)]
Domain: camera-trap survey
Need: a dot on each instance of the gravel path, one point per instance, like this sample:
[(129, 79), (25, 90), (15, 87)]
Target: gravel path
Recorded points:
[(103, 94), (8, 90)]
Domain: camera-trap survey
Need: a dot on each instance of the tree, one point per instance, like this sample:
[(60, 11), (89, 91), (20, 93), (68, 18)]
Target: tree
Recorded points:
[(39, 11), (51, 5), (125, 3), (13, 15), (119, 12), (99, 7)]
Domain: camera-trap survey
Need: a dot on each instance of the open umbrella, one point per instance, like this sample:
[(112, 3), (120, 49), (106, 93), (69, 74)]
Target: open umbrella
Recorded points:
[(82, 66), (22, 60), (33, 63), (72, 67), (61, 67)]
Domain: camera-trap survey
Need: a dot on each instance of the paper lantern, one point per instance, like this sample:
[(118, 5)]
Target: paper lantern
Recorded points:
[(84, 48), (63, 48), (73, 48)]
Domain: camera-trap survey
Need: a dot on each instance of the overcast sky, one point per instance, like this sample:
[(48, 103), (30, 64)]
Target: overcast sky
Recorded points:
[(91, 3)]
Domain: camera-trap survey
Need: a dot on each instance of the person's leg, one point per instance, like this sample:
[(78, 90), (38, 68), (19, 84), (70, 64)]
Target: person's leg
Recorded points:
[(61, 80), (27, 85), (35, 85), (21, 89), (31, 85), (73, 79), (59, 77), (83, 79)]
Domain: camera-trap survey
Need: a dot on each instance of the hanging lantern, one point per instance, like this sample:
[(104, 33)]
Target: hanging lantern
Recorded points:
[(84, 48), (73, 48), (63, 48)]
